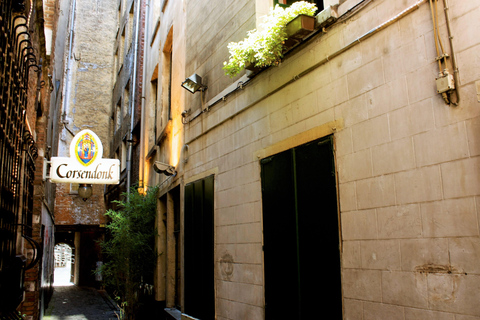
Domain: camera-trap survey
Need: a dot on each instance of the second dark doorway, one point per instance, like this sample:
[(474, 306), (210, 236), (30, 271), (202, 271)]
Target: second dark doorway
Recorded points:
[(301, 233)]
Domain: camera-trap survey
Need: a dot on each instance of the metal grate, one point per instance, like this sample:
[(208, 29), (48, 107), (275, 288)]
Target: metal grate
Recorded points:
[(17, 150)]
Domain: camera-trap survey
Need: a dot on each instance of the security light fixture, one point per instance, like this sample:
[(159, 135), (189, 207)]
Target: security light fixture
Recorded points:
[(194, 83), (164, 168), (85, 191)]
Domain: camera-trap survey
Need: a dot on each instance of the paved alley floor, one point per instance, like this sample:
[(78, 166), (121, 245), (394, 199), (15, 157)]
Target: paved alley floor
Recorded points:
[(70, 302)]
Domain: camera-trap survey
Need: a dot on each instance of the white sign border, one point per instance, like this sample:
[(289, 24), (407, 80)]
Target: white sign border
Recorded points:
[(99, 171)]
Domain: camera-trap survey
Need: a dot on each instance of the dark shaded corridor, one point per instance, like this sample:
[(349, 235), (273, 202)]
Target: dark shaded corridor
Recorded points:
[(70, 302)]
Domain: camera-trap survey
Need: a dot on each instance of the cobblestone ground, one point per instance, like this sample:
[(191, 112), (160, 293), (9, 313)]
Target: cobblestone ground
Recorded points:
[(70, 302), (78, 303)]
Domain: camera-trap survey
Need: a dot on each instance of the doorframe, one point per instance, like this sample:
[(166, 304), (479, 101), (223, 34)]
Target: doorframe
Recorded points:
[(323, 131)]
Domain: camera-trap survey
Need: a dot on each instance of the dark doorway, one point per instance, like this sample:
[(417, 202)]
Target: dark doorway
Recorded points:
[(301, 233), (199, 294)]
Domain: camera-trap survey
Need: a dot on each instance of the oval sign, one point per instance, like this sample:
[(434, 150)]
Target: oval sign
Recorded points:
[(86, 147)]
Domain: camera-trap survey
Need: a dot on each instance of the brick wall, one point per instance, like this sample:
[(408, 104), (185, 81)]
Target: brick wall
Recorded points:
[(37, 114), (49, 13), (70, 209)]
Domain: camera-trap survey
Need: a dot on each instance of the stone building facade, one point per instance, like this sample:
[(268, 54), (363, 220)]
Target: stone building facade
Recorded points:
[(339, 181), (162, 137), (126, 99)]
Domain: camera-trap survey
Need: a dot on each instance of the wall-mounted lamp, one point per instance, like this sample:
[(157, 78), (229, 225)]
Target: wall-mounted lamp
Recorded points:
[(194, 83), (85, 191), (164, 168)]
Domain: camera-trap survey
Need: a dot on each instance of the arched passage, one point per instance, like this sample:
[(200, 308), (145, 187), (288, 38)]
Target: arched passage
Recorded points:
[(64, 261)]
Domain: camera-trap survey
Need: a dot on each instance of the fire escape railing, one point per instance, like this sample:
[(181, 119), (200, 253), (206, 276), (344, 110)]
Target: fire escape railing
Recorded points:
[(17, 156)]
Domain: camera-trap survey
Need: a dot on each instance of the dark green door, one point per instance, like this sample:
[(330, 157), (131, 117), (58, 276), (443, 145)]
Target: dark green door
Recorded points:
[(301, 233), (199, 244)]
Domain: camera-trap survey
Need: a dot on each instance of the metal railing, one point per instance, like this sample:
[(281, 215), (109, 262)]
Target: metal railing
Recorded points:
[(17, 154)]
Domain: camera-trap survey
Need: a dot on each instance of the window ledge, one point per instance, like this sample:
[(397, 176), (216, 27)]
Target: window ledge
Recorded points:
[(187, 317), (347, 6), (173, 313), (327, 16)]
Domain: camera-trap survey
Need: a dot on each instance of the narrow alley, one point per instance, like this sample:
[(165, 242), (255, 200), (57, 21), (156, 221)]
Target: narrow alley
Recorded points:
[(239, 159), (71, 302)]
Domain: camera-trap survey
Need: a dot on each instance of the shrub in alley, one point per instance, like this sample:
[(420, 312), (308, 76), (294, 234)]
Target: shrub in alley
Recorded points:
[(130, 250)]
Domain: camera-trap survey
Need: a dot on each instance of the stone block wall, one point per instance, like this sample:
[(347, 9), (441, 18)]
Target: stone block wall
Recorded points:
[(49, 13), (210, 27), (407, 163)]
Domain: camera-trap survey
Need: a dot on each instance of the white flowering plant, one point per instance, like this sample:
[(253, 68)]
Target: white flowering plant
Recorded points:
[(264, 47)]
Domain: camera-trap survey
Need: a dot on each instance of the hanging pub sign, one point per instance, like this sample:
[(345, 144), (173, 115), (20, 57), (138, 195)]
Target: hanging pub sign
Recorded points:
[(85, 164)]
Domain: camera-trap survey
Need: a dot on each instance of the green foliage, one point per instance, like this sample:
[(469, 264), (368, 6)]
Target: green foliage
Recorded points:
[(265, 48), (130, 247)]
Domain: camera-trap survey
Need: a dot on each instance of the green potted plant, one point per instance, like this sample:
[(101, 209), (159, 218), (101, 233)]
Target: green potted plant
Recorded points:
[(265, 47)]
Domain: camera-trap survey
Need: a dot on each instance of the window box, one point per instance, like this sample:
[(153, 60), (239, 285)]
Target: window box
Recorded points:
[(252, 70), (265, 46), (298, 29)]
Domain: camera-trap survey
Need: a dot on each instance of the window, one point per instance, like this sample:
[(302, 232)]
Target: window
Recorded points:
[(286, 3), (119, 15), (118, 115), (73, 188), (298, 230), (169, 79), (117, 154), (164, 5), (121, 50), (155, 31), (123, 161), (130, 27), (166, 81), (152, 119), (126, 100), (115, 66), (262, 7), (154, 12)]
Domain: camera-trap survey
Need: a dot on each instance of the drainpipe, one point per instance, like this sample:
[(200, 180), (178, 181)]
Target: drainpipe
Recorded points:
[(454, 58), (142, 117), (66, 87), (134, 95)]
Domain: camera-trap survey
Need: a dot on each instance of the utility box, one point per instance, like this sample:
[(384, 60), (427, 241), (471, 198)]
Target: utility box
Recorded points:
[(445, 83)]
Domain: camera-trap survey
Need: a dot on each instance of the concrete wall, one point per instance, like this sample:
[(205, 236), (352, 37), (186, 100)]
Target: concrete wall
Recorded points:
[(407, 163)]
